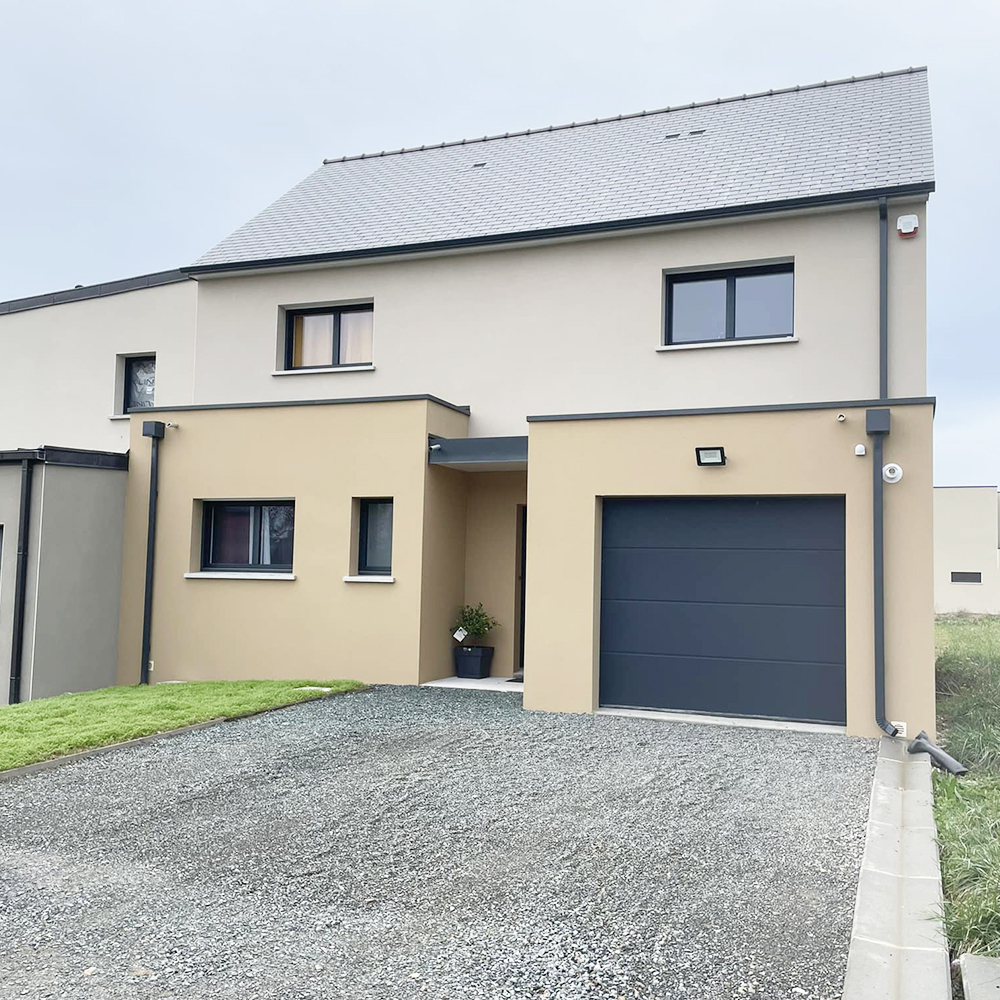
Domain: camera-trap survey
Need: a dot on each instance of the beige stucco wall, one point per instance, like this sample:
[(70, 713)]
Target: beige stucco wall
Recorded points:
[(443, 549), (316, 626), (965, 540), (573, 327), (60, 378), (492, 557), (574, 464)]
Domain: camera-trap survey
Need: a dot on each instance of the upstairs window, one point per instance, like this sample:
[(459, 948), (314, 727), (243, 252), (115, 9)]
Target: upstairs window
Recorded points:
[(338, 337), (240, 535), (139, 383), (750, 303)]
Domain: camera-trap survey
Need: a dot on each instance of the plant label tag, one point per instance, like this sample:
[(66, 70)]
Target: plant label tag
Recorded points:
[(460, 634)]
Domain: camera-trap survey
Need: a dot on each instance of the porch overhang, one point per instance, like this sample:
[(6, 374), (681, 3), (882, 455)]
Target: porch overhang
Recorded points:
[(479, 454)]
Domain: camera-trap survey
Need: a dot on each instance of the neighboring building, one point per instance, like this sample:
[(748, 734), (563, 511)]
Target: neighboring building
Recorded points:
[(61, 514), (399, 357), (966, 550)]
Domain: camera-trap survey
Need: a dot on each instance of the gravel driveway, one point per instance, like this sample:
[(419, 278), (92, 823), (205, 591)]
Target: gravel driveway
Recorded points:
[(410, 842)]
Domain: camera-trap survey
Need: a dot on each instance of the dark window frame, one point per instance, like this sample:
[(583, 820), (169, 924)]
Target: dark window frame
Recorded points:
[(256, 520), (336, 312), (963, 573), (129, 360), (730, 274), (364, 504)]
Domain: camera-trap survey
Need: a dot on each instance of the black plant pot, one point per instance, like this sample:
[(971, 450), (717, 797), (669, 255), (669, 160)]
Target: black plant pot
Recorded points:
[(473, 661)]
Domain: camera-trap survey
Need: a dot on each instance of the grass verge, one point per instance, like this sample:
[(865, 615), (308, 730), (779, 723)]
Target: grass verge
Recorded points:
[(967, 810), (51, 727)]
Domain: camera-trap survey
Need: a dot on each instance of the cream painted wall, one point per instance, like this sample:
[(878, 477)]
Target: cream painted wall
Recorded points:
[(492, 556), (443, 549), (965, 539), (574, 327), (316, 626), (60, 379), (576, 463)]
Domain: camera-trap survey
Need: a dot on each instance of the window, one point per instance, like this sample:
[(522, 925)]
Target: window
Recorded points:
[(747, 304), (329, 338), (248, 536), (139, 382), (375, 538), (966, 577)]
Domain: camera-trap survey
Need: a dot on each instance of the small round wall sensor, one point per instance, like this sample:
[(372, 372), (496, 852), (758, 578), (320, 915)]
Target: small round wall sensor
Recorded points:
[(892, 473)]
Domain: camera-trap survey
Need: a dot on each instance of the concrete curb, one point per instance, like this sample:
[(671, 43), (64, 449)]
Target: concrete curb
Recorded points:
[(980, 977), (72, 758), (898, 945)]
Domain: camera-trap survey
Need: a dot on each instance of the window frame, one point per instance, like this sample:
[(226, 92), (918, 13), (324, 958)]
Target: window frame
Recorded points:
[(336, 312), (975, 573), (208, 509), (730, 274), (364, 504), (127, 361)]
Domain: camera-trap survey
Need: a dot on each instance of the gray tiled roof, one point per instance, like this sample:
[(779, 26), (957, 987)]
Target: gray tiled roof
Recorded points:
[(828, 140)]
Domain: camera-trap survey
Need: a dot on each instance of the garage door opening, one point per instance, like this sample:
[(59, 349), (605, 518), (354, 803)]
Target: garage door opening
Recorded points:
[(725, 606)]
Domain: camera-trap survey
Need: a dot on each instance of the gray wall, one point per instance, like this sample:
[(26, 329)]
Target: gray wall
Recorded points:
[(74, 580), (10, 492)]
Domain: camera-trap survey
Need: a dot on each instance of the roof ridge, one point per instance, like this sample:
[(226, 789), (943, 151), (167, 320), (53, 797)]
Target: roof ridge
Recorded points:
[(625, 117)]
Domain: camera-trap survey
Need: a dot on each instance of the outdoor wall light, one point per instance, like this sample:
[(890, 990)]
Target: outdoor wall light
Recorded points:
[(710, 456)]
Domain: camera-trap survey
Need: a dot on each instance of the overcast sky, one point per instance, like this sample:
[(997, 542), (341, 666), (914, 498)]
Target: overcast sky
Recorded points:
[(133, 136)]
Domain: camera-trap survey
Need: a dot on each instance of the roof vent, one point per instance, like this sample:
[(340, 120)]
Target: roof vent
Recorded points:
[(697, 131), (483, 164), (673, 135)]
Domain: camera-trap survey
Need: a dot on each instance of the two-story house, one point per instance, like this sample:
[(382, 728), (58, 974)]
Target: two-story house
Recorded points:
[(643, 386)]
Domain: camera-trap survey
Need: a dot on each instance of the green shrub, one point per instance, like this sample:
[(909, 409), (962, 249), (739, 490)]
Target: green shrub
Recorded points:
[(475, 621)]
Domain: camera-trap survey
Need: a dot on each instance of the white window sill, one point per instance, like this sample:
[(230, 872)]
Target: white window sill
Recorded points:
[(118, 416), (338, 369), (369, 579), (728, 343), (209, 575)]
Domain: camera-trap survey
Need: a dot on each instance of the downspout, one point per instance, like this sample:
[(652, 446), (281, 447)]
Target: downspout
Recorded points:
[(877, 426), (20, 580), (153, 429)]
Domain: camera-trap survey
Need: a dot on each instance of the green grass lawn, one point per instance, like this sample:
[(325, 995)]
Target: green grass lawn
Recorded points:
[(50, 727), (967, 809)]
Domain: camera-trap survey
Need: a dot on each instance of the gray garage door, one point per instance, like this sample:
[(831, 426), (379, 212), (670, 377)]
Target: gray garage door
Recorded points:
[(728, 605)]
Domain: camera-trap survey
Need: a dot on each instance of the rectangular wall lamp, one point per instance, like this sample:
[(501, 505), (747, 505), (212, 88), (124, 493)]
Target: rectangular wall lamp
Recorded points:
[(710, 456)]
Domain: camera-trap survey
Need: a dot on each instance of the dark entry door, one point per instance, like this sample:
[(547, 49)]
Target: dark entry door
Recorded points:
[(725, 605)]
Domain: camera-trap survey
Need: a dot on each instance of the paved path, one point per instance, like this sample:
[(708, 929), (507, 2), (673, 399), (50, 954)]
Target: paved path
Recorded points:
[(441, 844)]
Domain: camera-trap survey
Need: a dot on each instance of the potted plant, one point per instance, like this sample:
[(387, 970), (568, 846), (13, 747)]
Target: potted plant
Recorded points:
[(471, 658)]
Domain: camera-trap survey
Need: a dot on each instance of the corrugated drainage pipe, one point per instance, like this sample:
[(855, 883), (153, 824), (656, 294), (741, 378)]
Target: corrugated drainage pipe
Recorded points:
[(945, 761)]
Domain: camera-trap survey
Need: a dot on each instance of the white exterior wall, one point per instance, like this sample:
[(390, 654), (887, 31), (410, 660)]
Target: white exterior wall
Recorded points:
[(574, 327), (966, 541), (60, 376), (564, 327)]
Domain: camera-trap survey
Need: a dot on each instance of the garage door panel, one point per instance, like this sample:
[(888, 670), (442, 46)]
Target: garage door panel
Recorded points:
[(724, 687), (742, 631), (725, 522), (731, 605), (778, 576)]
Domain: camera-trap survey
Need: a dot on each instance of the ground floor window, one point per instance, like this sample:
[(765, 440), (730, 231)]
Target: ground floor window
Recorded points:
[(242, 535), (375, 538)]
